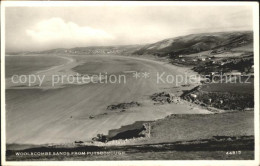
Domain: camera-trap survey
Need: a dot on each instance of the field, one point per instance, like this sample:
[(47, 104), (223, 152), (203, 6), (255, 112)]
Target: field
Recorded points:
[(245, 87), (226, 96), (248, 48), (195, 127)]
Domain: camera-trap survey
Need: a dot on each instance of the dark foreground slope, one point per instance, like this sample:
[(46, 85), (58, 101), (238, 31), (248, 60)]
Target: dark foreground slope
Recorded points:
[(177, 137), (218, 148)]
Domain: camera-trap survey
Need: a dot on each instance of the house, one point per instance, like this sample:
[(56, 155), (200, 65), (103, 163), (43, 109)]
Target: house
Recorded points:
[(213, 73), (234, 73), (193, 96), (202, 57)]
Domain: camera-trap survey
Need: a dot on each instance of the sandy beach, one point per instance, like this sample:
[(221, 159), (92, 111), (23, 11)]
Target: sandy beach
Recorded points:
[(61, 115)]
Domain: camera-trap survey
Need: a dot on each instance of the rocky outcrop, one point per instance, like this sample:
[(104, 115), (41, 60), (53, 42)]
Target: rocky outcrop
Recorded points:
[(165, 97), (123, 106)]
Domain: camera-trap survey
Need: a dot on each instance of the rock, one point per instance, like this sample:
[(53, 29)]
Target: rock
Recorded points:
[(164, 97), (78, 142), (123, 105)]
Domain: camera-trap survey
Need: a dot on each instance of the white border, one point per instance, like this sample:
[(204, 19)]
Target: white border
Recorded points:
[(3, 138), (255, 6), (123, 3), (256, 83)]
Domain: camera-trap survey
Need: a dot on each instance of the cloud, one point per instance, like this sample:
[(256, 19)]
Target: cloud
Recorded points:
[(57, 30), (41, 28)]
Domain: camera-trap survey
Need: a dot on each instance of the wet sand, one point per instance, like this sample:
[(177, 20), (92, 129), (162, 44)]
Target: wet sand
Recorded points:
[(61, 115)]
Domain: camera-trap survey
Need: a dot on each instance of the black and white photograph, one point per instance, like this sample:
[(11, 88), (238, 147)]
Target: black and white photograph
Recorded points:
[(130, 81)]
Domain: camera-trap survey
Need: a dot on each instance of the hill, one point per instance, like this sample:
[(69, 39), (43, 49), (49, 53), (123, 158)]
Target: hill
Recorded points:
[(195, 43), (182, 45), (91, 50)]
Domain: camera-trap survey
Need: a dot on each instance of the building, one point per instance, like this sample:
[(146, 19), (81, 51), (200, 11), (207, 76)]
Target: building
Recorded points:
[(234, 73), (193, 96)]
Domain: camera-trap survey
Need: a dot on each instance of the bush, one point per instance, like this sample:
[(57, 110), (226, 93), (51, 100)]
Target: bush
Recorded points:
[(226, 100)]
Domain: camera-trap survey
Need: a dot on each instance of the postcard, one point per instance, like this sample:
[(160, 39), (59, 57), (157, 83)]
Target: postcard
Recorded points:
[(129, 83)]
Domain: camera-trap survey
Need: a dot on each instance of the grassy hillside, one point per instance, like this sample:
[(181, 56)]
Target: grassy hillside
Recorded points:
[(195, 43), (182, 45), (191, 127)]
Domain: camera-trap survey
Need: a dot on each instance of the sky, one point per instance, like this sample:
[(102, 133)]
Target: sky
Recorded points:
[(42, 28)]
